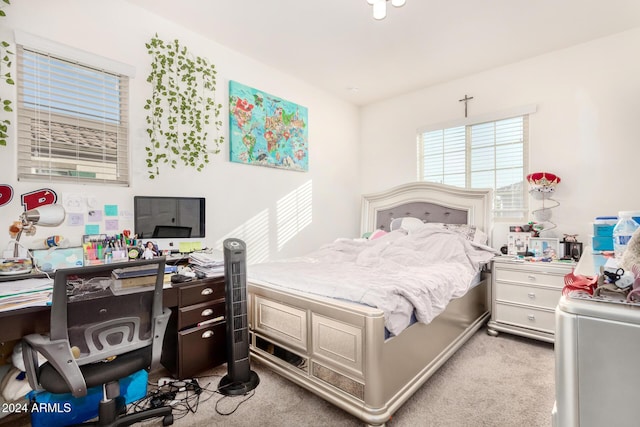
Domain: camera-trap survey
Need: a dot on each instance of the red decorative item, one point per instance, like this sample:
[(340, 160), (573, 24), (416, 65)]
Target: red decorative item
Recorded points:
[(545, 179), (579, 283)]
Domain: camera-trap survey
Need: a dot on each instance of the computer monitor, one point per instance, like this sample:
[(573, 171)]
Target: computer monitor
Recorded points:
[(171, 231)]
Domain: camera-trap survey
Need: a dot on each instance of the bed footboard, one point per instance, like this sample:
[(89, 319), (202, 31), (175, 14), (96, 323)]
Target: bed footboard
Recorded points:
[(337, 350)]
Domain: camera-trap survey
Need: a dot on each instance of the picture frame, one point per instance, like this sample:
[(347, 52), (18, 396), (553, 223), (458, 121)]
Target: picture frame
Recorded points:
[(544, 247), (517, 242), (266, 130)]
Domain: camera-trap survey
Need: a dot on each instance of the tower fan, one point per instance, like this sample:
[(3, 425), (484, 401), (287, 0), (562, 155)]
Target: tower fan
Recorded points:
[(240, 379)]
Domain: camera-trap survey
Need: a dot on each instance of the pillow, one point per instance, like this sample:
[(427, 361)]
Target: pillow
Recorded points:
[(470, 232), (406, 223), (376, 234)]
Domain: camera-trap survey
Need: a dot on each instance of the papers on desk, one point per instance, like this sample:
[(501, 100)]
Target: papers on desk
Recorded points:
[(209, 264), (25, 293)]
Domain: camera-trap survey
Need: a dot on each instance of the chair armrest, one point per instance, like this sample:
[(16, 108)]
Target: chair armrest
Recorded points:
[(159, 329), (58, 354)]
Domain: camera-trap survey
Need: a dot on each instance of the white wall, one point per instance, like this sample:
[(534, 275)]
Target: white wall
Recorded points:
[(585, 129), (243, 201)]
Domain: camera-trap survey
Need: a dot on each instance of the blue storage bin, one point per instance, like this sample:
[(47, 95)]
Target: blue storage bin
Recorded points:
[(603, 226), (51, 410), (603, 230), (602, 243)]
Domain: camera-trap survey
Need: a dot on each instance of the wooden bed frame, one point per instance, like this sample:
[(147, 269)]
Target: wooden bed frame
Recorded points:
[(338, 350)]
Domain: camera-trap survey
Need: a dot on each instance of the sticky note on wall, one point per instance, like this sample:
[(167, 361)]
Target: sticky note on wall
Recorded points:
[(91, 229), (186, 247)]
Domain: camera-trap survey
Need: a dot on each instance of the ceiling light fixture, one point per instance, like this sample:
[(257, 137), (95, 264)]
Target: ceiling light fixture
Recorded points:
[(380, 7)]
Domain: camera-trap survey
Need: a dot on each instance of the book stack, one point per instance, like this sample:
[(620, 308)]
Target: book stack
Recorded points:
[(25, 293), (209, 264), (133, 279)]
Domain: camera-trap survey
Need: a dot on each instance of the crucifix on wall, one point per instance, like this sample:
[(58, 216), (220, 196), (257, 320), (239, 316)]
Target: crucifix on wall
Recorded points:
[(466, 100)]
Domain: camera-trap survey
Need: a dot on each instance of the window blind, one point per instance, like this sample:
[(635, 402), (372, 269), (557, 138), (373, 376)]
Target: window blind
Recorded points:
[(482, 155), (72, 121)]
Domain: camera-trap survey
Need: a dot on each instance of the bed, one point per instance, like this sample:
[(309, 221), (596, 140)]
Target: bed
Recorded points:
[(341, 350)]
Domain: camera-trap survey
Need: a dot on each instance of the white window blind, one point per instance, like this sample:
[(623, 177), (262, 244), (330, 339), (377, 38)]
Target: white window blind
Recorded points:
[(72, 121), (483, 155)]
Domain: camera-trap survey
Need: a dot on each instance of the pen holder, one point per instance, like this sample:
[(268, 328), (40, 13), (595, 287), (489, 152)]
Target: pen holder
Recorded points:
[(90, 255), (119, 255)]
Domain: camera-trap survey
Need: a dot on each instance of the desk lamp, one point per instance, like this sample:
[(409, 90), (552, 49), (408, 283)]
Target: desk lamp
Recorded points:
[(47, 215)]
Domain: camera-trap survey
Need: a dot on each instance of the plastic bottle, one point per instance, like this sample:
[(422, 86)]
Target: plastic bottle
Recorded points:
[(622, 232)]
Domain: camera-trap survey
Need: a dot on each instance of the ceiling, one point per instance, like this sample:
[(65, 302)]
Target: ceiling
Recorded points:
[(336, 45)]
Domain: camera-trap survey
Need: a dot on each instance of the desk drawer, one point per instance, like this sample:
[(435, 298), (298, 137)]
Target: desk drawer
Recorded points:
[(200, 292), (194, 314), (201, 348), (530, 295), (527, 317), (529, 277)]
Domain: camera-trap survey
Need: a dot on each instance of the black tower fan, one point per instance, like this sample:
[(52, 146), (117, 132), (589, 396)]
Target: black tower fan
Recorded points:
[(240, 379)]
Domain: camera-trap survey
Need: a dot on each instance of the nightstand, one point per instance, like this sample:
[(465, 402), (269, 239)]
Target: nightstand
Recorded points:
[(525, 295)]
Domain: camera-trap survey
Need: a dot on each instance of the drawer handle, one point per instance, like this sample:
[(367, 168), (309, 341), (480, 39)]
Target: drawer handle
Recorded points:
[(531, 277), (531, 317), (206, 291), (532, 295), (207, 312), (207, 334)]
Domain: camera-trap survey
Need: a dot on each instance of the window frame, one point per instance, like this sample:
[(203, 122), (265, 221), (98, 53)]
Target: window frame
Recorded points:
[(524, 111), (27, 117)]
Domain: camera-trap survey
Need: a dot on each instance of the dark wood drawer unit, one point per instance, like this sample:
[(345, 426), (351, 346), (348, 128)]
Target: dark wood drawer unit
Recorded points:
[(200, 348), (189, 349)]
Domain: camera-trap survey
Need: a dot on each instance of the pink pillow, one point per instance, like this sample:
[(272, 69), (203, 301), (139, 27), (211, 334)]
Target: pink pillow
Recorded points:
[(376, 234)]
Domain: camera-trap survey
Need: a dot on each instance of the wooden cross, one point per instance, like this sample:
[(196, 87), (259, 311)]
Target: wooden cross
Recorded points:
[(466, 99)]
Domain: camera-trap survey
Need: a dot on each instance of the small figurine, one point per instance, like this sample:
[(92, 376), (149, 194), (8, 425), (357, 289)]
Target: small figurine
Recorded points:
[(150, 250)]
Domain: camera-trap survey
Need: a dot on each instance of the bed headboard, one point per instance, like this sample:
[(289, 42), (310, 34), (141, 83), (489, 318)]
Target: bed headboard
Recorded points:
[(430, 202)]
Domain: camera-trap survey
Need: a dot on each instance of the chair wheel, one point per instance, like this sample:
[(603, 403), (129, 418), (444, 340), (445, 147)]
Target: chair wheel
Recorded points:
[(167, 420)]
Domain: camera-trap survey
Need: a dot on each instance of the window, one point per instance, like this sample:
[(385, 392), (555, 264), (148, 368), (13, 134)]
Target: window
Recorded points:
[(490, 154), (72, 120)]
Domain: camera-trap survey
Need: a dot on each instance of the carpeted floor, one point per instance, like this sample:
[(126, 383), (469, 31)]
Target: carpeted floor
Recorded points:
[(502, 381)]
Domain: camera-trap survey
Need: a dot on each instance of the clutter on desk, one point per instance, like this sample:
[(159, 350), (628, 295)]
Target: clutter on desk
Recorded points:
[(207, 263), (27, 292), (49, 260), (14, 266), (614, 284)]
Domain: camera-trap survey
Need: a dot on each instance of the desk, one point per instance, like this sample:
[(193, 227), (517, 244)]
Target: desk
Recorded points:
[(28, 320), (187, 348)]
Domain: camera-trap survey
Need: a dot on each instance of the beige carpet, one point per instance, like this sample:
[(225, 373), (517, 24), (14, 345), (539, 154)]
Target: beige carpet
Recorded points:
[(503, 381)]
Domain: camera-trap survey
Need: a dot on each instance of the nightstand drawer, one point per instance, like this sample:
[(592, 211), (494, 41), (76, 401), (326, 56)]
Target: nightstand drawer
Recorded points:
[(529, 277), (201, 292), (530, 295), (194, 314), (527, 317)]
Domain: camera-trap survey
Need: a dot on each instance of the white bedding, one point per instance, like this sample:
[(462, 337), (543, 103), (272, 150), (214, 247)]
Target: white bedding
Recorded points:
[(400, 274)]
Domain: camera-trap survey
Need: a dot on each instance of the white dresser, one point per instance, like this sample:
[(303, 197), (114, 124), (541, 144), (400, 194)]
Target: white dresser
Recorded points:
[(597, 374), (597, 347), (525, 295)]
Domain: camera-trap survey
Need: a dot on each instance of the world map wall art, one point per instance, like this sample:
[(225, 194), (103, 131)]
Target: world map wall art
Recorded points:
[(266, 130)]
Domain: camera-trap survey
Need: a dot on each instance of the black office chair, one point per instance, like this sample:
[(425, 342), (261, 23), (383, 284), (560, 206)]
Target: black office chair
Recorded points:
[(107, 322)]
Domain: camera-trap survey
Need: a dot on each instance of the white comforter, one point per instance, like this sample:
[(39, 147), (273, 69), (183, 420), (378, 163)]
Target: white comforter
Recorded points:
[(400, 274)]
